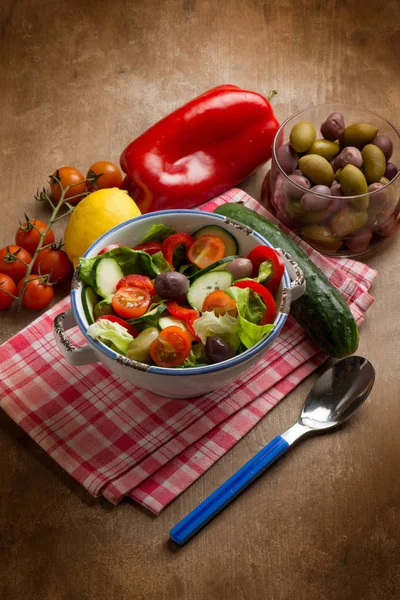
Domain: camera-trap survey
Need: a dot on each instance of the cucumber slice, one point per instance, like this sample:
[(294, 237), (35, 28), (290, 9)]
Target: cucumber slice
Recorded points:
[(205, 285), (89, 301), (106, 274), (174, 322), (217, 265), (152, 316), (231, 245)]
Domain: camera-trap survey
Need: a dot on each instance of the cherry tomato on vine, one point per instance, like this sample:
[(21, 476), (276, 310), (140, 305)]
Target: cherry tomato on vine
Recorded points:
[(54, 263), (206, 250), (171, 347), (37, 295), (6, 285), (131, 302), (28, 235), (14, 268), (220, 303), (109, 175), (260, 254), (69, 176)]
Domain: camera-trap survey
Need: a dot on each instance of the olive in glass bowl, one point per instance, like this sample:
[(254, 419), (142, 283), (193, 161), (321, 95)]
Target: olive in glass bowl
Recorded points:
[(334, 178)]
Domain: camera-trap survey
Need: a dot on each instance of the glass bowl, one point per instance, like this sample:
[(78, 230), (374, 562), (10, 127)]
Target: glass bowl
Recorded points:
[(335, 225)]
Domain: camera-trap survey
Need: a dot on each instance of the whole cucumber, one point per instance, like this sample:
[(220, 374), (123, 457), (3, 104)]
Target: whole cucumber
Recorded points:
[(322, 311)]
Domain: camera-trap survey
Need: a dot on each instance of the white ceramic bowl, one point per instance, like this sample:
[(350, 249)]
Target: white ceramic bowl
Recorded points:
[(177, 382)]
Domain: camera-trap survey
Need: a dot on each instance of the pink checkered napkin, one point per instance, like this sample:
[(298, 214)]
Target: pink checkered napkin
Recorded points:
[(118, 440)]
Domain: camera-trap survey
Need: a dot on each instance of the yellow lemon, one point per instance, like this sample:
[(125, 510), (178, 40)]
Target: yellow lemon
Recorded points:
[(97, 213)]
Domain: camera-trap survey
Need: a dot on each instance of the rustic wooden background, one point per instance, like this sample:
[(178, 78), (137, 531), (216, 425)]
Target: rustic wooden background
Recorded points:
[(79, 80)]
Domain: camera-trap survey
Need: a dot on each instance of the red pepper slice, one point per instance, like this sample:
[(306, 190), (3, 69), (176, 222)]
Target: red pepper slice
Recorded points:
[(139, 281), (149, 247), (260, 254), (180, 312), (203, 148), (130, 328), (108, 248), (172, 242), (270, 306), (189, 322), (189, 315)]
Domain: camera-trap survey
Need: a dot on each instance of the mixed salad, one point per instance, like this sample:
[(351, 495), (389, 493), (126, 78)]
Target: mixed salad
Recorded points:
[(179, 300)]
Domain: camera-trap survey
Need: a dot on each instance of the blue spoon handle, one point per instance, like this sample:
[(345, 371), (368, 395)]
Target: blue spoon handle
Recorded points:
[(203, 513)]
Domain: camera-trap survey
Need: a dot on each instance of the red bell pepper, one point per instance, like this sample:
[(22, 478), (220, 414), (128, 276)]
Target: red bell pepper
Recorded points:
[(200, 150)]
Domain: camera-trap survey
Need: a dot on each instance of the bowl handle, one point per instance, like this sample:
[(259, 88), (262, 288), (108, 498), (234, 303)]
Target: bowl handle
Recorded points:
[(296, 275), (74, 355)]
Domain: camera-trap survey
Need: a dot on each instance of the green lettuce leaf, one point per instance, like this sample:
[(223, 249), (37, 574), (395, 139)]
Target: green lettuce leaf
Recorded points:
[(249, 304), (157, 233), (151, 316), (130, 261), (104, 307), (179, 257), (211, 324), (250, 334), (197, 357), (112, 332), (188, 270), (190, 360), (160, 263), (250, 312), (264, 272)]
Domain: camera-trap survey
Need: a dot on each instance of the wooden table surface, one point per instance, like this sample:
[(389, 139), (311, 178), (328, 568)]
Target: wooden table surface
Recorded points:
[(79, 80)]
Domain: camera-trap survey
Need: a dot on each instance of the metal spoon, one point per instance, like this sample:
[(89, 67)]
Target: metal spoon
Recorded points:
[(336, 395)]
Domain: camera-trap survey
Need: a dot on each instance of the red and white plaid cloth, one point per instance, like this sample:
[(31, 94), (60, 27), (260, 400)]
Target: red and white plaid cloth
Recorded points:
[(119, 441)]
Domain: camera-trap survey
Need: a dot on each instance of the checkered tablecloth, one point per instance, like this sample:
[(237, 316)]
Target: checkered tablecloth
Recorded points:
[(117, 440)]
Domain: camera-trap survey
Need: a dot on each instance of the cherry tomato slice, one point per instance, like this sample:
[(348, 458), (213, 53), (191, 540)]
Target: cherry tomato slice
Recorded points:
[(149, 247), (108, 248), (220, 303), (172, 242), (131, 302), (171, 347), (270, 306), (206, 250), (260, 254), (140, 281), (128, 326)]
